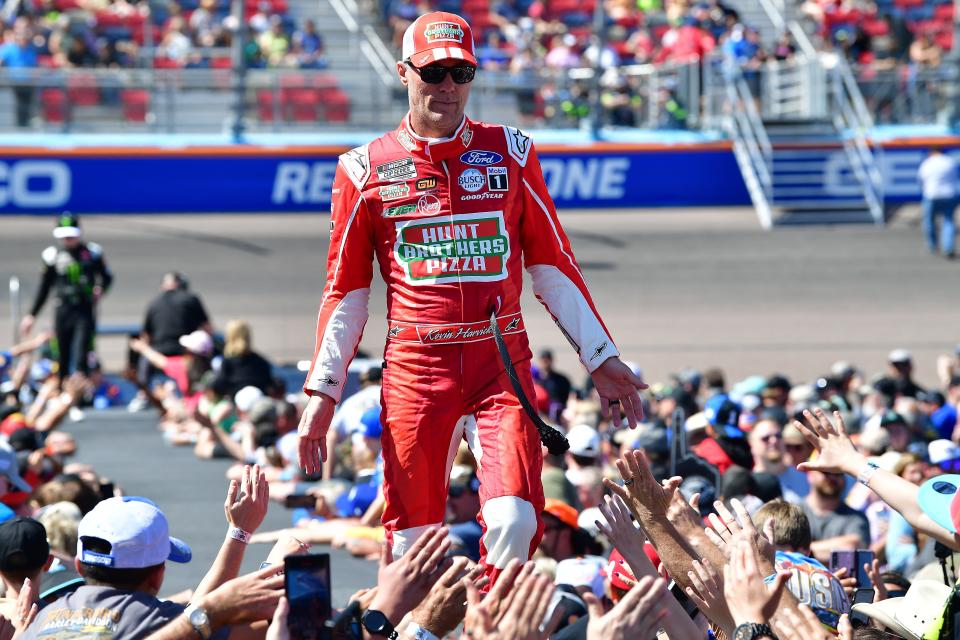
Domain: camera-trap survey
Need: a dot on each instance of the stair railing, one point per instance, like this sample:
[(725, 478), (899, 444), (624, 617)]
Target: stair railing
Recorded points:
[(751, 145), (852, 119)]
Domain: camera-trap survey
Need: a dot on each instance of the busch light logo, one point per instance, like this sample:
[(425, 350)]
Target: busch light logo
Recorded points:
[(481, 158), (472, 180)]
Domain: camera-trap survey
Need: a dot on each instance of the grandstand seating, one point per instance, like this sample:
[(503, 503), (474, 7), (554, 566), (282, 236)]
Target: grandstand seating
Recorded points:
[(298, 101)]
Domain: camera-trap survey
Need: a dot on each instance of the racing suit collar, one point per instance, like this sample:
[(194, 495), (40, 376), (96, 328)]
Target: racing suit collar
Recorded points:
[(437, 149)]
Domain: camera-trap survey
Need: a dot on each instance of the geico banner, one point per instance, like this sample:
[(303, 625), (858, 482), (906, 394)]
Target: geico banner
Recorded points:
[(261, 179)]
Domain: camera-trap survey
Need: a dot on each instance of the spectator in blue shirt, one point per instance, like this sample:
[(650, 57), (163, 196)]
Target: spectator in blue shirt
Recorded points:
[(18, 52)]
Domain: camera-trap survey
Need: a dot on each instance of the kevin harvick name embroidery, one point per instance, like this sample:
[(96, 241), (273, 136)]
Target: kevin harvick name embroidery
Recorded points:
[(472, 247)]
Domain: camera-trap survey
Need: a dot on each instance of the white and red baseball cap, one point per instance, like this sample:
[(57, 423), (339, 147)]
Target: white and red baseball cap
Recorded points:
[(436, 36)]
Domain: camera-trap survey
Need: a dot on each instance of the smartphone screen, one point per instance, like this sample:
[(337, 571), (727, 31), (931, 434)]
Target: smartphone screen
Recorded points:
[(847, 559), (864, 557), (307, 579)]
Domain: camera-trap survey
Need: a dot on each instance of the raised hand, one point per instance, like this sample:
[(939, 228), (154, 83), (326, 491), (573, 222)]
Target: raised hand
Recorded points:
[(638, 614), (511, 612), (247, 500), (707, 594), (836, 453), (404, 583), (646, 497), (725, 526), (624, 535), (748, 598), (445, 605), (802, 624)]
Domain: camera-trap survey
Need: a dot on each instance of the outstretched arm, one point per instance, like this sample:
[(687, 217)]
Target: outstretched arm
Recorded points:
[(837, 454), (343, 314), (559, 284)]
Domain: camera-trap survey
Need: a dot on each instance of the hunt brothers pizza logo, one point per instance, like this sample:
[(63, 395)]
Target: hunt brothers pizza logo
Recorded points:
[(471, 247), (443, 31)]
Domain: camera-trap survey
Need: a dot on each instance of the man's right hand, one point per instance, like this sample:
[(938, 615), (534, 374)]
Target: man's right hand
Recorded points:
[(313, 428)]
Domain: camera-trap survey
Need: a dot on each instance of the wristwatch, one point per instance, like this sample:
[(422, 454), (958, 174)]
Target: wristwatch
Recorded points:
[(199, 620), (753, 631), (376, 623)]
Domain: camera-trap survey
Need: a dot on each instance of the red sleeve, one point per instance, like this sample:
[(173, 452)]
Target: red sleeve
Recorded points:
[(557, 280), (343, 309)]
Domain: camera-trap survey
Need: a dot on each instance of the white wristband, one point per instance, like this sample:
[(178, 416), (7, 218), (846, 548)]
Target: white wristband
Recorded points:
[(238, 534), (417, 632), (867, 473)]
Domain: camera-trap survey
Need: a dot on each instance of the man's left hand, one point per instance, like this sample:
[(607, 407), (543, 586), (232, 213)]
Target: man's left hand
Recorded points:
[(619, 390)]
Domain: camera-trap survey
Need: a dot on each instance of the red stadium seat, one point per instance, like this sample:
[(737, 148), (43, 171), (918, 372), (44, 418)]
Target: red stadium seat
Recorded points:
[(135, 104), (53, 105), (336, 106), (165, 63), (82, 90), (265, 105), (943, 12)]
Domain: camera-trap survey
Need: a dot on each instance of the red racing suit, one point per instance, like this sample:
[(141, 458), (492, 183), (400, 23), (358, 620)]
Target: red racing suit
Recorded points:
[(451, 222)]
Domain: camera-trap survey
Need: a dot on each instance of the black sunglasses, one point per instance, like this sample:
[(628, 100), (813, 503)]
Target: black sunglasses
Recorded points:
[(435, 74)]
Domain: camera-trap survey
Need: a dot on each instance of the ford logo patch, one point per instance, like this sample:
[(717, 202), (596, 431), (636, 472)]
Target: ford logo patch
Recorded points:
[(481, 158)]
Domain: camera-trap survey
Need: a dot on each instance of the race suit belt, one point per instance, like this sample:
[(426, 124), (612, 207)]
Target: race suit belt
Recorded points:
[(453, 333)]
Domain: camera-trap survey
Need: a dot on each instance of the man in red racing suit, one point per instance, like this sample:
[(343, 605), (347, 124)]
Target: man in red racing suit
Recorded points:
[(452, 220)]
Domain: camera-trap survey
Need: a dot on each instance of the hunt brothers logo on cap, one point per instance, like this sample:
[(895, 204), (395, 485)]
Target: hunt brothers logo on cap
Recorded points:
[(472, 247), (436, 31)]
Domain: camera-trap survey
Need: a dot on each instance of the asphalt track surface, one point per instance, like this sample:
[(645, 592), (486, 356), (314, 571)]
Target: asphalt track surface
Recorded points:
[(676, 288)]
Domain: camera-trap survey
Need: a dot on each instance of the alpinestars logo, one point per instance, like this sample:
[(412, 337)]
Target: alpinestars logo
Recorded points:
[(395, 331), (513, 324), (599, 350), (330, 381), (470, 247)]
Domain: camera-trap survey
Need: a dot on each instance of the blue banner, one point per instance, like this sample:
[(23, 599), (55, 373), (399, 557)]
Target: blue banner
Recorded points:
[(265, 179)]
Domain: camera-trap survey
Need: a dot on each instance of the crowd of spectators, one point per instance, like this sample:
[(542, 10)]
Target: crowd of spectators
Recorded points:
[(743, 496), (529, 40), (188, 34), (622, 520), (763, 449)]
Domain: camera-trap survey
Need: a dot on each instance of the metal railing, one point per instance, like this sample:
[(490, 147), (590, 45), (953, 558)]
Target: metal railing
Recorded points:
[(181, 100), (751, 145), (853, 120), (905, 94), (277, 100)]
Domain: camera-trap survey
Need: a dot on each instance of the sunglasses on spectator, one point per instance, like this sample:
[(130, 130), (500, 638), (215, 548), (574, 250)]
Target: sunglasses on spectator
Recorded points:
[(435, 73)]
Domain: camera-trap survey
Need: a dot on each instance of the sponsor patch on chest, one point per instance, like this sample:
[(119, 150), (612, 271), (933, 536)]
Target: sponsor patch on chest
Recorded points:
[(397, 170), (470, 247), (394, 192), (472, 180)]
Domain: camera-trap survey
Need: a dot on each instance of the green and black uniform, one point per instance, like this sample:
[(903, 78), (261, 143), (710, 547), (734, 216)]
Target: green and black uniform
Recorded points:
[(73, 274)]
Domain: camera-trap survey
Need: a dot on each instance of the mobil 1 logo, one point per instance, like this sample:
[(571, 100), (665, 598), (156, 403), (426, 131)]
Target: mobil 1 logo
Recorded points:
[(497, 179)]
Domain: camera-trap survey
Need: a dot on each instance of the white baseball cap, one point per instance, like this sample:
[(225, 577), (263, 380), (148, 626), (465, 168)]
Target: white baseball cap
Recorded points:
[(584, 441), (137, 531)]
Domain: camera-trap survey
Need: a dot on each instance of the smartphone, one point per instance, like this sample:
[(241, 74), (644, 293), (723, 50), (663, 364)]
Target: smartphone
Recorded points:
[(861, 596), (864, 557), (307, 582), (300, 501), (844, 559)]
